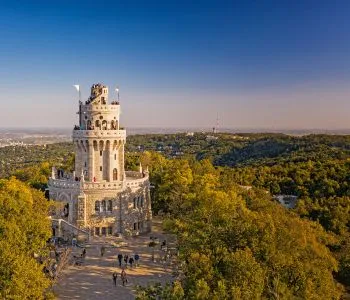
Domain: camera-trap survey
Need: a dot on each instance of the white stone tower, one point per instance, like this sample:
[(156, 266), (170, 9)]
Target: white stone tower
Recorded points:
[(100, 197), (99, 142)]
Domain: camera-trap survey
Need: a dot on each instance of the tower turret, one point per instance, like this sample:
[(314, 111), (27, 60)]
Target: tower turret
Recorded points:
[(99, 197), (99, 142)]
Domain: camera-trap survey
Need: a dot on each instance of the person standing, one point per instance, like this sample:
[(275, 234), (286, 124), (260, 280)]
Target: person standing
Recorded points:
[(131, 261), (126, 258), (137, 257), (123, 277), (103, 249), (120, 258), (115, 276)]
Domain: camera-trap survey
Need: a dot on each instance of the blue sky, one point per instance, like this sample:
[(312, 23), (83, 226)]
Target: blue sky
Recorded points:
[(259, 64)]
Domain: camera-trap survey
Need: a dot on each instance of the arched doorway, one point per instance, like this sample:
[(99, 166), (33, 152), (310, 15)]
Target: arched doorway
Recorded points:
[(65, 208), (115, 174)]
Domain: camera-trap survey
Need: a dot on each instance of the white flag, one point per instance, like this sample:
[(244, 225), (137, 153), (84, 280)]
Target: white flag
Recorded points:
[(77, 87), (117, 90)]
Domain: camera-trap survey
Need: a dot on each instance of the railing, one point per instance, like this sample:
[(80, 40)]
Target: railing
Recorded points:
[(72, 228), (134, 174), (62, 175), (64, 183), (99, 133), (132, 179), (94, 107), (102, 185), (93, 128)]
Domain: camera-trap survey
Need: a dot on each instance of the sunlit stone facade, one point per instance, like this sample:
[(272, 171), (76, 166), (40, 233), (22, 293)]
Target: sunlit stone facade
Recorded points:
[(100, 197)]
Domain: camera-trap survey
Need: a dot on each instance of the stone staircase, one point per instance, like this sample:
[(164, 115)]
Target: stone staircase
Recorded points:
[(69, 231)]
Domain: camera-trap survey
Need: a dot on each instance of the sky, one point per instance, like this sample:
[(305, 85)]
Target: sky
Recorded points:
[(256, 64)]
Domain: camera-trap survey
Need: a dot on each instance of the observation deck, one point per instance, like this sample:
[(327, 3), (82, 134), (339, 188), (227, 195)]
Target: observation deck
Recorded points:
[(114, 106), (93, 133), (132, 179)]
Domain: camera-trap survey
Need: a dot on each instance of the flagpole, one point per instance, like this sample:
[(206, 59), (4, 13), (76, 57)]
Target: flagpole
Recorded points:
[(77, 86), (117, 90)]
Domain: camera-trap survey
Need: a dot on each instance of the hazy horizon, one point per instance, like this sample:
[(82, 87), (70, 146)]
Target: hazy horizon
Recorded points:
[(168, 130)]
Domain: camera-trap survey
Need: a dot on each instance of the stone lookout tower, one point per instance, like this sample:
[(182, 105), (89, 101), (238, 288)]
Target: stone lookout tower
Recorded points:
[(100, 198)]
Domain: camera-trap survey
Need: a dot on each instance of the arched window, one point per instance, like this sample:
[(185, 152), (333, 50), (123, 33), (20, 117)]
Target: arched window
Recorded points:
[(109, 205), (88, 125), (66, 210), (97, 123), (115, 174), (141, 201), (97, 206), (103, 205), (104, 125), (135, 199)]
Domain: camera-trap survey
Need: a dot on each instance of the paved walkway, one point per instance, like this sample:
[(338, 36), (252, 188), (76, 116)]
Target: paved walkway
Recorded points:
[(93, 280)]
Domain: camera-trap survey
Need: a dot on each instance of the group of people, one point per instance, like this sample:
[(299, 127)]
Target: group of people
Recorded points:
[(122, 277), (132, 260), (124, 260)]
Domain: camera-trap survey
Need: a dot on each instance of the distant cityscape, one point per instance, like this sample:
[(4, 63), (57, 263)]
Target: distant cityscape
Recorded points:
[(43, 136)]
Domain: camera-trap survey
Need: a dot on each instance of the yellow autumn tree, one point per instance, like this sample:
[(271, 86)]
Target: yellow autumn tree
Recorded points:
[(24, 230)]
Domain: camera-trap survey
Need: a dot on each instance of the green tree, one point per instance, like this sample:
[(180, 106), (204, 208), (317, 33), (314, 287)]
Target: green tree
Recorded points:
[(24, 230)]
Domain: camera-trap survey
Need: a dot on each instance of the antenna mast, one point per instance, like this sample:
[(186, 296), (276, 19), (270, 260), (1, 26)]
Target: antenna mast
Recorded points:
[(216, 127)]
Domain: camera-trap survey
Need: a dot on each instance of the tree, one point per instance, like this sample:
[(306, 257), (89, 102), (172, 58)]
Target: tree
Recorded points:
[(24, 230), (242, 245)]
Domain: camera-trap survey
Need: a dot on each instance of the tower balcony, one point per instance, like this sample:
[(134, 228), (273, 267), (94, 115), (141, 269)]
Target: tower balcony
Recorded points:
[(120, 134), (132, 180), (101, 107)]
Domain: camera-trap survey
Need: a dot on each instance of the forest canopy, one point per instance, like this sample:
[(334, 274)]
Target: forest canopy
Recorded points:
[(234, 243)]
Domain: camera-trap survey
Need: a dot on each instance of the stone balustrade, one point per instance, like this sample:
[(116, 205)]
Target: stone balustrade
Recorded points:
[(86, 185), (63, 183), (99, 134), (131, 182), (100, 107), (134, 174), (102, 185)]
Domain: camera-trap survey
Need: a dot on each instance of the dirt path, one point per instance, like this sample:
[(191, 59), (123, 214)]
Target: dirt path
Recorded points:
[(93, 280)]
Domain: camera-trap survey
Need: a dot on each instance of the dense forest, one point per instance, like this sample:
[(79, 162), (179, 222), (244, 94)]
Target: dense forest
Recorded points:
[(236, 243)]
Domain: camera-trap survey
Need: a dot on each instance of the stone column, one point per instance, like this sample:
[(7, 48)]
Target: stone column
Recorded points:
[(91, 170), (71, 210), (109, 150), (77, 157), (121, 161), (59, 229)]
